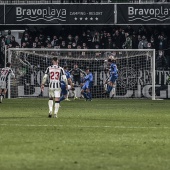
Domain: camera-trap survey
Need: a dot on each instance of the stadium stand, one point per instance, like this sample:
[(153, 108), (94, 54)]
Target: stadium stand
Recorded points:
[(92, 37)]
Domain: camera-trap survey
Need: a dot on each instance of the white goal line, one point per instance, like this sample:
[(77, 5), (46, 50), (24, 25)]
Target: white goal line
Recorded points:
[(72, 126)]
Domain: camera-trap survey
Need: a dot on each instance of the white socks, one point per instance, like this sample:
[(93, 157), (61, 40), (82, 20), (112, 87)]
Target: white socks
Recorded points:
[(113, 90), (56, 108), (50, 105), (74, 93), (67, 95), (105, 87)]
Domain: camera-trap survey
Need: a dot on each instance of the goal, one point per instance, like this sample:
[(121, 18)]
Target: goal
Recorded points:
[(136, 70)]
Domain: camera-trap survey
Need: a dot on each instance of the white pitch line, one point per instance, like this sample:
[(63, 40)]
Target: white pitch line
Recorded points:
[(116, 127)]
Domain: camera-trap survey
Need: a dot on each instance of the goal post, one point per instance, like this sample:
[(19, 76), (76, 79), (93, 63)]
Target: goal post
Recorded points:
[(136, 70)]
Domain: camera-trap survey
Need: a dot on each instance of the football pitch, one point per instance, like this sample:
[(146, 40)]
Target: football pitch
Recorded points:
[(100, 135)]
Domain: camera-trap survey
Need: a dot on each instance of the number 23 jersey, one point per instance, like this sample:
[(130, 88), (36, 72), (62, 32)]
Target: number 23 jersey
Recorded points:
[(55, 73)]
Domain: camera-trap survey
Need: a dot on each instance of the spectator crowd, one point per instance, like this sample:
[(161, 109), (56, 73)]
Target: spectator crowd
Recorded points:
[(91, 37)]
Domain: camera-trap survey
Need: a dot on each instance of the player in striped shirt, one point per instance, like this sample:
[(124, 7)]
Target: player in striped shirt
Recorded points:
[(56, 75), (4, 74)]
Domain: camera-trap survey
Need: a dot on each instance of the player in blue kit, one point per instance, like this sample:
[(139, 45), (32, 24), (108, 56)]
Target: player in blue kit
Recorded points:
[(65, 88), (110, 83), (88, 83)]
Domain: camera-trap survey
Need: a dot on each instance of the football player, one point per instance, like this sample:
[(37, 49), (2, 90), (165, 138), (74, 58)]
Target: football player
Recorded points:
[(88, 83), (56, 75), (4, 74)]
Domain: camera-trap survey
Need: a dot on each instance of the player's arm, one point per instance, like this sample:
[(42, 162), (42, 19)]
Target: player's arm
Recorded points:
[(83, 72), (87, 77), (71, 70), (63, 76), (107, 80), (44, 79), (12, 74)]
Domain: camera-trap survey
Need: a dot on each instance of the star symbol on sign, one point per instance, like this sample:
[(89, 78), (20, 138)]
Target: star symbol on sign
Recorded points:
[(81, 18), (97, 18), (86, 18), (75, 18), (91, 18)]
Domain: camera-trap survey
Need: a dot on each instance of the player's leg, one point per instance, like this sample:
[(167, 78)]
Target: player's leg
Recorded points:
[(81, 85), (74, 93), (88, 91), (67, 95), (2, 94), (1, 97), (63, 94), (3, 90), (105, 94), (57, 102), (63, 97), (113, 86), (109, 87), (50, 105), (89, 95), (83, 91), (50, 102), (113, 90), (72, 88), (105, 86), (77, 84)]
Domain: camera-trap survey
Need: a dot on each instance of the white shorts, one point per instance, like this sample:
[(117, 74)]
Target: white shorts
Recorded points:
[(54, 93), (3, 85), (69, 87)]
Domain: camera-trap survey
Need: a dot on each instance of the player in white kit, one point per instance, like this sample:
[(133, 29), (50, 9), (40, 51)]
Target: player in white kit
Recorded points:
[(4, 74), (56, 75)]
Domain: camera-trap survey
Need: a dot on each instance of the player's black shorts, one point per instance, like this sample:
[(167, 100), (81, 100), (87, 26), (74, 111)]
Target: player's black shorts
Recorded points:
[(76, 80)]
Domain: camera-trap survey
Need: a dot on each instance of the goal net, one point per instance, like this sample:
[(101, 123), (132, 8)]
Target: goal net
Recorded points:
[(136, 70)]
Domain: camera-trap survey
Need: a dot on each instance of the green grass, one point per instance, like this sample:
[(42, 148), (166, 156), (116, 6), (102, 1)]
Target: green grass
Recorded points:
[(98, 135)]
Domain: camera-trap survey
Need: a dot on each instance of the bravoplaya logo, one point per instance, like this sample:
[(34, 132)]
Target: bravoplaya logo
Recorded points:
[(159, 13), (47, 14)]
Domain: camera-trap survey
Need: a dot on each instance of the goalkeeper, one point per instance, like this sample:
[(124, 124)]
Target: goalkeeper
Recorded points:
[(77, 73), (110, 83)]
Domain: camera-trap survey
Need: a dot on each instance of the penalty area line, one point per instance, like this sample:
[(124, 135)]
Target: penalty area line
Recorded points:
[(72, 126)]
